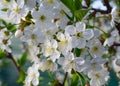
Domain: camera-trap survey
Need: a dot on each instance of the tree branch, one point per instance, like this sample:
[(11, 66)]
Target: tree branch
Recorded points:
[(66, 74), (10, 56), (105, 2), (117, 25)]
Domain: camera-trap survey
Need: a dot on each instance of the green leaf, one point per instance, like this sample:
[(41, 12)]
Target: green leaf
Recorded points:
[(77, 52), (74, 81), (2, 54), (22, 76), (11, 27), (69, 17), (3, 22), (90, 26), (22, 61), (69, 4), (80, 14), (78, 4), (81, 75)]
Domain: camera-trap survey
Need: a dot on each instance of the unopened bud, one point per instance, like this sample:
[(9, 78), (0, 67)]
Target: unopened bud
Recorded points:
[(18, 33)]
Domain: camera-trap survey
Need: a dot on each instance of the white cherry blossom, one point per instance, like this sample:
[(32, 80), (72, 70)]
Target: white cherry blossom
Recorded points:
[(98, 77), (17, 11), (50, 49)]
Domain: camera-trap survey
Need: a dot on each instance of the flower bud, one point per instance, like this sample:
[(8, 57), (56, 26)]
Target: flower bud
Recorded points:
[(18, 33)]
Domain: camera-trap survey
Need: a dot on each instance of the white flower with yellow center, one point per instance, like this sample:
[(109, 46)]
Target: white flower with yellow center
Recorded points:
[(67, 62), (79, 34), (32, 76), (33, 35), (17, 11), (64, 43), (43, 18), (96, 48), (98, 78), (50, 49), (48, 65)]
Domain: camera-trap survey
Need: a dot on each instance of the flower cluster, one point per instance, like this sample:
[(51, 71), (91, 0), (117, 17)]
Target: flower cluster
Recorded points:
[(55, 43)]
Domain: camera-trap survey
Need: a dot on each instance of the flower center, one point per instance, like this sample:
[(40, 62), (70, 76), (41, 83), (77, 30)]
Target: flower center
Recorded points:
[(33, 36), (6, 33), (95, 48), (97, 75), (17, 10), (79, 34), (50, 1), (42, 18), (49, 50), (5, 41)]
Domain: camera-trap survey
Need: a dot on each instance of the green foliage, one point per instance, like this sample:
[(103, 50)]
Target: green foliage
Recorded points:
[(21, 77), (11, 27), (80, 14), (77, 52), (23, 59), (55, 83), (3, 22), (2, 54), (74, 80), (69, 4), (75, 6), (72, 5), (78, 79)]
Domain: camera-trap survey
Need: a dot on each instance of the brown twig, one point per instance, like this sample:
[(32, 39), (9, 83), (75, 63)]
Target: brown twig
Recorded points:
[(10, 56), (66, 74), (116, 44), (106, 3), (117, 25)]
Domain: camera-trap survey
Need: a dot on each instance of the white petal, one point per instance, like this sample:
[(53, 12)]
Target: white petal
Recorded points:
[(61, 36), (80, 26), (55, 56), (70, 29), (20, 3), (79, 43), (88, 34), (35, 81), (54, 44), (61, 61), (109, 41)]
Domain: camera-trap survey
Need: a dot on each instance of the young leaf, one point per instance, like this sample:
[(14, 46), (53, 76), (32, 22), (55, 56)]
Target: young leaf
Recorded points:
[(2, 54), (74, 81), (23, 59), (78, 4), (11, 27), (69, 4), (22, 76), (80, 14)]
